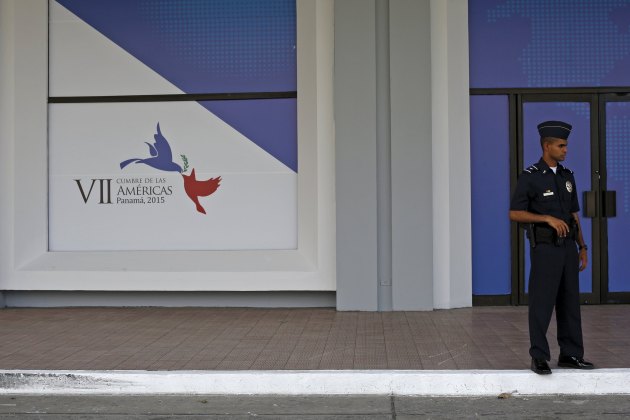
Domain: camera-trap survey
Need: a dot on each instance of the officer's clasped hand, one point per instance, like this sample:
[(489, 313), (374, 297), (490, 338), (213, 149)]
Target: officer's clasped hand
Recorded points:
[(561, 227)]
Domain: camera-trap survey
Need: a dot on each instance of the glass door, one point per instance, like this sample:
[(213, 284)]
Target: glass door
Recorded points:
[(581, 112), (614, 199)]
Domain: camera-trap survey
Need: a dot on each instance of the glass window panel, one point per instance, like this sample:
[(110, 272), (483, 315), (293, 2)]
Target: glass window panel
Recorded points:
[(490, 167)]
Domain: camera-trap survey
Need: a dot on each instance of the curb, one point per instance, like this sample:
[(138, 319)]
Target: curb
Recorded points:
[(330, 382)]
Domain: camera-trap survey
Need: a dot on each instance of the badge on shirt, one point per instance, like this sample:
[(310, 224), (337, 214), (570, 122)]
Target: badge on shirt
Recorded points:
[(547, 193), (569, 186)]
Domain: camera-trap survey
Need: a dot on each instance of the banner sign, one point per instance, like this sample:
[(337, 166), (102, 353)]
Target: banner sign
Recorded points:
[(163, 176), (172, 175)]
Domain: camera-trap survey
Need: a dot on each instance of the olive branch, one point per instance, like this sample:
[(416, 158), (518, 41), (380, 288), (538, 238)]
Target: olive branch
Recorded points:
[(185, 159)]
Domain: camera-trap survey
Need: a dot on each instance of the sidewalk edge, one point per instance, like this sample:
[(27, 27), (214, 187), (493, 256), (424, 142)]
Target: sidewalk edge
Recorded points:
[(316, 382)]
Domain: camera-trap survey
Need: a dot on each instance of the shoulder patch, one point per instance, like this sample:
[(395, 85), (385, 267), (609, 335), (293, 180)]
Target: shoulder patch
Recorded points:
[(531, 169)]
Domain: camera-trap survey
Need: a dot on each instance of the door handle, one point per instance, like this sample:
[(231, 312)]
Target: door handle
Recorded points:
[(609, 203), (598, 203), (590, 203)]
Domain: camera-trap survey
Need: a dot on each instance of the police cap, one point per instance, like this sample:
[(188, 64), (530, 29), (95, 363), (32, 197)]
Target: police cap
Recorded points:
[(556, 129)]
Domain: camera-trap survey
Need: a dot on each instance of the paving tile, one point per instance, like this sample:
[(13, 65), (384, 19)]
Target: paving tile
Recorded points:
[(243, 338)]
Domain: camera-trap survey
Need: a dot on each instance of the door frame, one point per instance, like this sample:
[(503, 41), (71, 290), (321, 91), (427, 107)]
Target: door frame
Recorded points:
[(592, 99), (607, 297), (515, 99)]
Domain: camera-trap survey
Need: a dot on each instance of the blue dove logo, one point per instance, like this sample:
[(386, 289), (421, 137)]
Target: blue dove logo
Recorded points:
[(161, 155), (162, 159)]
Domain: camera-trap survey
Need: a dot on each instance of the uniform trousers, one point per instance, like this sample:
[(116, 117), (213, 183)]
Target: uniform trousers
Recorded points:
[(553, 281)]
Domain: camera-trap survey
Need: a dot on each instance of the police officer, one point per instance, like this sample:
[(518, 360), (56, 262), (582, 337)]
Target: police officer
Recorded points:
[(545, 202)]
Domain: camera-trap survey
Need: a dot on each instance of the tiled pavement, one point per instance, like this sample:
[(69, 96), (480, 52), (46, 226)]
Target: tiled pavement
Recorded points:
[(269, 339)]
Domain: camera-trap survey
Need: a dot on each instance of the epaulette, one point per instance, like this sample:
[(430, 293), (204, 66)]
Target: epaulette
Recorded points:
[(567, 169), (531, 169)]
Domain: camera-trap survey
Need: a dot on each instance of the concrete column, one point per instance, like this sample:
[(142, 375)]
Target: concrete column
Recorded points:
[(7, 113), (355, 155), (383, 84), (452, 266), (383, 157), (412, 237)]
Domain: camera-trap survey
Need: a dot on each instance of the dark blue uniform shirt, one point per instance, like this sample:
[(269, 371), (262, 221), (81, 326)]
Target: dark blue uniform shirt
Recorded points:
[(540, 191)]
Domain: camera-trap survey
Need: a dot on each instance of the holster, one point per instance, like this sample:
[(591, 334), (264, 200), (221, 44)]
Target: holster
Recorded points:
[(545, 234), (529, 230)]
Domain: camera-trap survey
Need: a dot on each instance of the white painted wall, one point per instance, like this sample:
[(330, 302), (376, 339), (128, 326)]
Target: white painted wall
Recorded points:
[(431, 247)]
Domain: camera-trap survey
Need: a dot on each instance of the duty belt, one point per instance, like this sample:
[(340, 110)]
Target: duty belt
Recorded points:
[(545, 234)]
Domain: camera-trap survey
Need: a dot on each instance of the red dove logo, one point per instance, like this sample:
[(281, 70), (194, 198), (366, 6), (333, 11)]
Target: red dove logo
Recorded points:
[(195, 188)]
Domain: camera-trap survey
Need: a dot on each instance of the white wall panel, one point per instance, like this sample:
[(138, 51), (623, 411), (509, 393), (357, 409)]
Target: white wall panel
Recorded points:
[(28, 264)]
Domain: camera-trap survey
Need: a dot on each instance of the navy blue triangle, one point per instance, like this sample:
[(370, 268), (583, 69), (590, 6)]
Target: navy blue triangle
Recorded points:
[(278, 116)]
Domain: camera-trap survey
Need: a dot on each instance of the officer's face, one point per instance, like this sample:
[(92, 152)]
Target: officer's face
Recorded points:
[(557, 149)]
